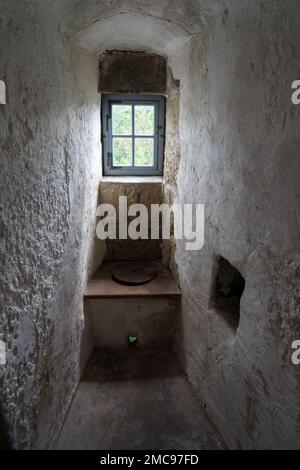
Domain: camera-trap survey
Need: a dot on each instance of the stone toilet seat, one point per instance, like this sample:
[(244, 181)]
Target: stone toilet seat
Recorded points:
[(134, 273)]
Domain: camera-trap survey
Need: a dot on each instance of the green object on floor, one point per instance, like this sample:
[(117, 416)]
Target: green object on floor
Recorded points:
[(132, 340)]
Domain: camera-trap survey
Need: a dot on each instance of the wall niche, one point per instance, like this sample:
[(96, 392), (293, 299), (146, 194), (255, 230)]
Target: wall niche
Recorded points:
[(228, 288)]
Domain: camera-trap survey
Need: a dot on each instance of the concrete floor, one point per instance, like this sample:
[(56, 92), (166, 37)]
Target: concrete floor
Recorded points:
[(136, 399)]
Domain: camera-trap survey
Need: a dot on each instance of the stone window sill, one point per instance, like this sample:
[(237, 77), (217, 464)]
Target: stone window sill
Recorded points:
[(132, 179)]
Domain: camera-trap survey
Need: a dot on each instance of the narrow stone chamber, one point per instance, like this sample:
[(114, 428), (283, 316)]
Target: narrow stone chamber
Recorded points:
[(216, 335)]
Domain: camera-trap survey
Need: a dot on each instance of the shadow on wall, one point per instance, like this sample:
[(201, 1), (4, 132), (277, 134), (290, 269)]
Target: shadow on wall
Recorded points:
[(227, 290)]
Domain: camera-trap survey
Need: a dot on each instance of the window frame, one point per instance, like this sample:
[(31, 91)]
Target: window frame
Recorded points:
[(107, 137)]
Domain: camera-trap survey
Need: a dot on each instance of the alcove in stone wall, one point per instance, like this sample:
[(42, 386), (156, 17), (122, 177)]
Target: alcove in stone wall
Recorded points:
[(228, 288)]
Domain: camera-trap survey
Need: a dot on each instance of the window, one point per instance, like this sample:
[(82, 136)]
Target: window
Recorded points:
[(133, 133)]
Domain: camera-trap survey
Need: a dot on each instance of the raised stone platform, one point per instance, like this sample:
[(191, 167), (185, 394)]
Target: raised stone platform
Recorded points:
[(148, 312)]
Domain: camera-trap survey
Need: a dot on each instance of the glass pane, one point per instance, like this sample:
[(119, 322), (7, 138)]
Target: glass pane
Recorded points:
[(144, 119), (121, 119), (144, 151), (122, 151)]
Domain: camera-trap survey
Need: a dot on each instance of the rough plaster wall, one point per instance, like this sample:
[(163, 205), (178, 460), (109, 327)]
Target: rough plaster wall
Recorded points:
[(240, 155), (50, 168), (171, 162)]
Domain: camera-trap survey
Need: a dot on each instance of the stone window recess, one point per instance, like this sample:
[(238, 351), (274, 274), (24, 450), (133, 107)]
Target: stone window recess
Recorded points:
[(133, 134), (228, 289)]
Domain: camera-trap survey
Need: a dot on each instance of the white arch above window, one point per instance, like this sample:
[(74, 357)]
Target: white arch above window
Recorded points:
[(133, 31)]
